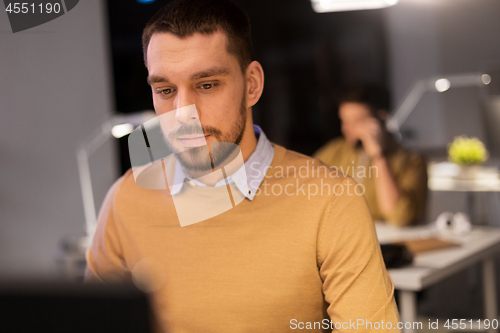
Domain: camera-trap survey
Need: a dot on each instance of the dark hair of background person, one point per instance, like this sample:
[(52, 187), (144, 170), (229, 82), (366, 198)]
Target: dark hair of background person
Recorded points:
[(376, 97), (183, 18)]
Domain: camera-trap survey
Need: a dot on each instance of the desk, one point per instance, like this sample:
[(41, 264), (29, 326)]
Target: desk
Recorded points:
[(428, 268), (446, 176)]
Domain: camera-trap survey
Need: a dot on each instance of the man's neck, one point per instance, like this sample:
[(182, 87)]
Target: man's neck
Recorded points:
[(249, 141)]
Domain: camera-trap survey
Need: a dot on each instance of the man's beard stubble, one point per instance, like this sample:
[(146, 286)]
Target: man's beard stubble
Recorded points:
[(213, 154)]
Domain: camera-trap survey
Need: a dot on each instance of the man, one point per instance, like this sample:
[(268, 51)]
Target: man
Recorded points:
[(395, 179), (285, 257)]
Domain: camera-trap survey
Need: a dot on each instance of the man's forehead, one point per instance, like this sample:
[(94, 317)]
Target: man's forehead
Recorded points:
[(168, 49)]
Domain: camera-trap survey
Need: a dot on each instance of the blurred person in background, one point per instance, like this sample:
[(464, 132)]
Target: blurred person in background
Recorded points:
[(394, 178)]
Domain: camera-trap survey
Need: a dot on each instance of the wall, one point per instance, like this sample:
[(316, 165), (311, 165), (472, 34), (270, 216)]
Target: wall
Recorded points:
[(54, 91), (435, 39)]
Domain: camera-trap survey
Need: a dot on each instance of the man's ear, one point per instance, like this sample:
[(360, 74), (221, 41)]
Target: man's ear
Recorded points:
[(255, 83)]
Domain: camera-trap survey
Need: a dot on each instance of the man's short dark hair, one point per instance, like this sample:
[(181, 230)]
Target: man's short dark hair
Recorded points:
[(376, 97), (183, 18)]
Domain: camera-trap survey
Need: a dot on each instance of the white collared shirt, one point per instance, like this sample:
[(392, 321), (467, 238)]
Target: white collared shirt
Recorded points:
[(247, 178)]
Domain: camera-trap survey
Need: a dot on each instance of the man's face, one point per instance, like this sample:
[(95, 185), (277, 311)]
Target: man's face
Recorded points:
[(197, 71), (353, 115)]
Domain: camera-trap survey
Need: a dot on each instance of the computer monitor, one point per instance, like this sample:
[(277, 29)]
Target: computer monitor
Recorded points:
[(75, 308)]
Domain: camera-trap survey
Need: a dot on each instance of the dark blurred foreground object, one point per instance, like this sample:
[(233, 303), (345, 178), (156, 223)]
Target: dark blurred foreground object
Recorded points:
[(73, 308), (396, 255)]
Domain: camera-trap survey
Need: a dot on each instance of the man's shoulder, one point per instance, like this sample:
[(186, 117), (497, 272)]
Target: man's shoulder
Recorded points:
[(141, 182), (333, 144), (125, 185), (332, 150), (307, 167)]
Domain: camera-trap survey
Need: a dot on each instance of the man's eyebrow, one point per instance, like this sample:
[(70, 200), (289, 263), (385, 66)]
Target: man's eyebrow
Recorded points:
[(200, 75), (210, 72), (156, 79)]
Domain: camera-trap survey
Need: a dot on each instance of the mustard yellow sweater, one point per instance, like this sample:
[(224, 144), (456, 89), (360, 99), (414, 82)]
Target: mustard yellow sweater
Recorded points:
[(278, 263)]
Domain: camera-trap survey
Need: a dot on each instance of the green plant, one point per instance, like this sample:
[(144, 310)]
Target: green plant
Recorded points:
[(464, 150)]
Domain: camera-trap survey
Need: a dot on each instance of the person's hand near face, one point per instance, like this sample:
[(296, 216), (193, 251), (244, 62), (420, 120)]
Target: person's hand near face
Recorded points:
[(369, 132)]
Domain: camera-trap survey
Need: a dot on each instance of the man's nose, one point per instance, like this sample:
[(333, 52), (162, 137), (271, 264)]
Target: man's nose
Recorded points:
[(185, 111)]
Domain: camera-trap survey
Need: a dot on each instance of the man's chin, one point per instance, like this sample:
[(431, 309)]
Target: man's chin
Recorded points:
[(200, 159), (195, 158), (193, 166)]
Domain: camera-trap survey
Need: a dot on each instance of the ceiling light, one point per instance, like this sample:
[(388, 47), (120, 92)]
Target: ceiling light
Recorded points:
[(323, 6)]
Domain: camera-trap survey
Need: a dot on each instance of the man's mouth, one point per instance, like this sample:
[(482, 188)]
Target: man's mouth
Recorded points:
[(193, 140)]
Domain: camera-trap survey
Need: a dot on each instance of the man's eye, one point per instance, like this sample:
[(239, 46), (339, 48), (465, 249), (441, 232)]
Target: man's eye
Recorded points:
[(167, 91), (207, 86)]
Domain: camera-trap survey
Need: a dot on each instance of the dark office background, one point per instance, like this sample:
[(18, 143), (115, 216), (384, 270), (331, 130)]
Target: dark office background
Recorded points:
[(307, 58), (55, 93)]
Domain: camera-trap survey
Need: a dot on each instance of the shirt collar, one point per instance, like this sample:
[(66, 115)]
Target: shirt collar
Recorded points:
[(253, 171)]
